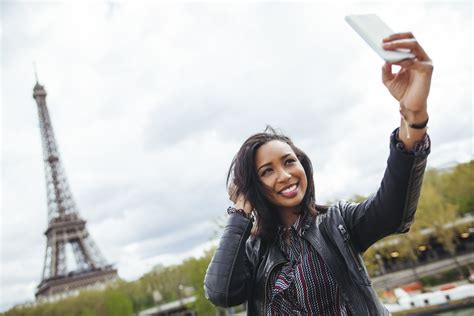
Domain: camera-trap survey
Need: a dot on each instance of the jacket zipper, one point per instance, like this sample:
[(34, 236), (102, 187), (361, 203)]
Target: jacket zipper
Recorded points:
[(345, 236), (266, 284), (325, 232)]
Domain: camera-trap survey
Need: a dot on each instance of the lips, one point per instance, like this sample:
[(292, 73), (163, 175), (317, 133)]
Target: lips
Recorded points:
[(290, 191)]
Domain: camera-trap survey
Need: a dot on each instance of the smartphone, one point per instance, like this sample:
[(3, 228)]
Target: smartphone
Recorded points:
[(373, 30)]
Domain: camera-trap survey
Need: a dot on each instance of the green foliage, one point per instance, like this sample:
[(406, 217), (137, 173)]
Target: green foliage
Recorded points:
[(88, 312), (126, 298), (136, 293), (434, 211), (117, 303), (442, 278), (195, 270), (445, 197), (87, 303), (458, 187), (357, 198)]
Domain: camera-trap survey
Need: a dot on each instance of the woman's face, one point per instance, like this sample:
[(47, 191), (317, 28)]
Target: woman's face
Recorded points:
[(282, 174)]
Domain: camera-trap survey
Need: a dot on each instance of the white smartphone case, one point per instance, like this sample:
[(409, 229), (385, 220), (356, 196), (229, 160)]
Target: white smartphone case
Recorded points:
[(373, 30)]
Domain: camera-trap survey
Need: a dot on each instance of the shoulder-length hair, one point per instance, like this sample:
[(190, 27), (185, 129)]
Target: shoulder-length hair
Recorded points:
[(243, 174)]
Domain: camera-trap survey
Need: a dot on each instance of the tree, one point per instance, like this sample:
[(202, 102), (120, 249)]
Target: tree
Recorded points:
[(409, 244), (116, 303), (458, 186), (195, 270), (434, 211)]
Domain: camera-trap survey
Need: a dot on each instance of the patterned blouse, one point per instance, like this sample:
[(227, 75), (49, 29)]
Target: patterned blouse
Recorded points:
[(303, 285)]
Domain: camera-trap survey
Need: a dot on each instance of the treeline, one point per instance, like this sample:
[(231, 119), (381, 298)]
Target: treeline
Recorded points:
[(121, 298), (446, 196), (87, 303), (171, 283), (454, 187)]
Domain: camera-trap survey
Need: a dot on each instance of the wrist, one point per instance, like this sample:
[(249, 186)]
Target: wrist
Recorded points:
[(419, 126), (233, 210), (243, 206), (414, 119)]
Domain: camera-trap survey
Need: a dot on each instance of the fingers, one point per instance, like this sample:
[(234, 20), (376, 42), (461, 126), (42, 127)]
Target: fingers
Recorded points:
[(232, 190), (408, 42), (387, 74), (425, 67), (397, 36), (406, 63), (238, 198), (411, 44)]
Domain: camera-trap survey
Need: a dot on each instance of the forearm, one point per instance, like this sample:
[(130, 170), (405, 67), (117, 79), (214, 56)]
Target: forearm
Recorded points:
[(229, 273), (393, 207)]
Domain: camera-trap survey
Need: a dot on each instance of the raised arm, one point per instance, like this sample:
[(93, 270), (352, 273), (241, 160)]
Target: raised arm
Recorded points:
[(392, 208)]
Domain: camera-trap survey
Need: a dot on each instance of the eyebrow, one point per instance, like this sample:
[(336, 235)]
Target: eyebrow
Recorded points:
[(269, 163)]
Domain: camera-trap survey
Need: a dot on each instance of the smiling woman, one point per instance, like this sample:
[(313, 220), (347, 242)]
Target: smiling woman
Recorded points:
[(281, 172), (275, 177), (302, 258)]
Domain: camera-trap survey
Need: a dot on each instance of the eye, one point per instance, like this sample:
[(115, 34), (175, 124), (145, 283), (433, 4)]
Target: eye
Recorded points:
[(266, 172), (290, 161)]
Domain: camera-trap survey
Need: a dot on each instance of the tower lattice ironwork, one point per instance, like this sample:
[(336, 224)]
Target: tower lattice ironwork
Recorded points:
[(66, 233)]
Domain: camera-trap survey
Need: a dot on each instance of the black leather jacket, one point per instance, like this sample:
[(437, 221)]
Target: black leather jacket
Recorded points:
[(241, 266)]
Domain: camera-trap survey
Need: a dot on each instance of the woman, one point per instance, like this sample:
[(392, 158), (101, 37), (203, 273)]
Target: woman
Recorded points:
[(304, 259)]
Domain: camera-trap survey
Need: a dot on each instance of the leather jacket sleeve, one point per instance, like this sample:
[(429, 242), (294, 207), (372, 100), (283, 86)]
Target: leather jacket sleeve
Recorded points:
[(392, 208), (229, 275)]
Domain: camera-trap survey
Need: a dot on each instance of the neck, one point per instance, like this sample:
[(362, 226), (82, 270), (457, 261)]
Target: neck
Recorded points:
[(288, 217)]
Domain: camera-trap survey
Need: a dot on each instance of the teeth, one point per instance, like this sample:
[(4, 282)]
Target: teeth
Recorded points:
[(292, 188)]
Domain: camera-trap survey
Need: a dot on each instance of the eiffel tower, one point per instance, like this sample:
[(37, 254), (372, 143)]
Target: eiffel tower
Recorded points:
[(66, 229)]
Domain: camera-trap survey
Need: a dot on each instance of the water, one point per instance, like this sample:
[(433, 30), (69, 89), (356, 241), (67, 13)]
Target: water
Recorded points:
[(468, 311)]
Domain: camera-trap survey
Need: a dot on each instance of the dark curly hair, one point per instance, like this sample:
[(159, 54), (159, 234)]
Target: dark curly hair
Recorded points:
[(242, 173)]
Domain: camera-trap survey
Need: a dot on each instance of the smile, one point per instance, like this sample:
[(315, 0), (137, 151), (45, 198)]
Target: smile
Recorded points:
[(290, 191)]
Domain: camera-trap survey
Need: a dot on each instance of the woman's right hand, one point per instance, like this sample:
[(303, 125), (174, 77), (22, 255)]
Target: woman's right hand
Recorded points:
[(239, 200)]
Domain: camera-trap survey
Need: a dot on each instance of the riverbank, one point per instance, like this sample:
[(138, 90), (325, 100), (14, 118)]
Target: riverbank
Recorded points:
[(466, 304)]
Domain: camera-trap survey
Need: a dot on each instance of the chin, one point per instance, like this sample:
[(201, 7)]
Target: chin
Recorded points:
[(286, 204)]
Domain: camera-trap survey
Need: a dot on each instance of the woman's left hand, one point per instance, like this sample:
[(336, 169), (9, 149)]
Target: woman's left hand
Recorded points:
[(411, 85)]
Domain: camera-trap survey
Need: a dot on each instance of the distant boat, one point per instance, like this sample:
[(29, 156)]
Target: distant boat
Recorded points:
[(419, 304)]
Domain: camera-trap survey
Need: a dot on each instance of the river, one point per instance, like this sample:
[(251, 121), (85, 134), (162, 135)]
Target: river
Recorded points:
[(468, 311)]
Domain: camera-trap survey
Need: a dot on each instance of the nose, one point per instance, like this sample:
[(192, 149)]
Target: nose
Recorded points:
[(284, 176)]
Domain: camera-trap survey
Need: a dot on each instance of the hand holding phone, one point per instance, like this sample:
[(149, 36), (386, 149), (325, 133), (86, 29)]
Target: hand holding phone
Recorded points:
[(373, 30)]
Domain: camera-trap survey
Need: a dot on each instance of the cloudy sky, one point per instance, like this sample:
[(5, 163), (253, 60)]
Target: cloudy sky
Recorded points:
[(150, 101)]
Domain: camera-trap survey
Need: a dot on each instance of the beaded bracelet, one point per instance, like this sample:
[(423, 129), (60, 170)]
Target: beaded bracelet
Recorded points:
[(233, 210)]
